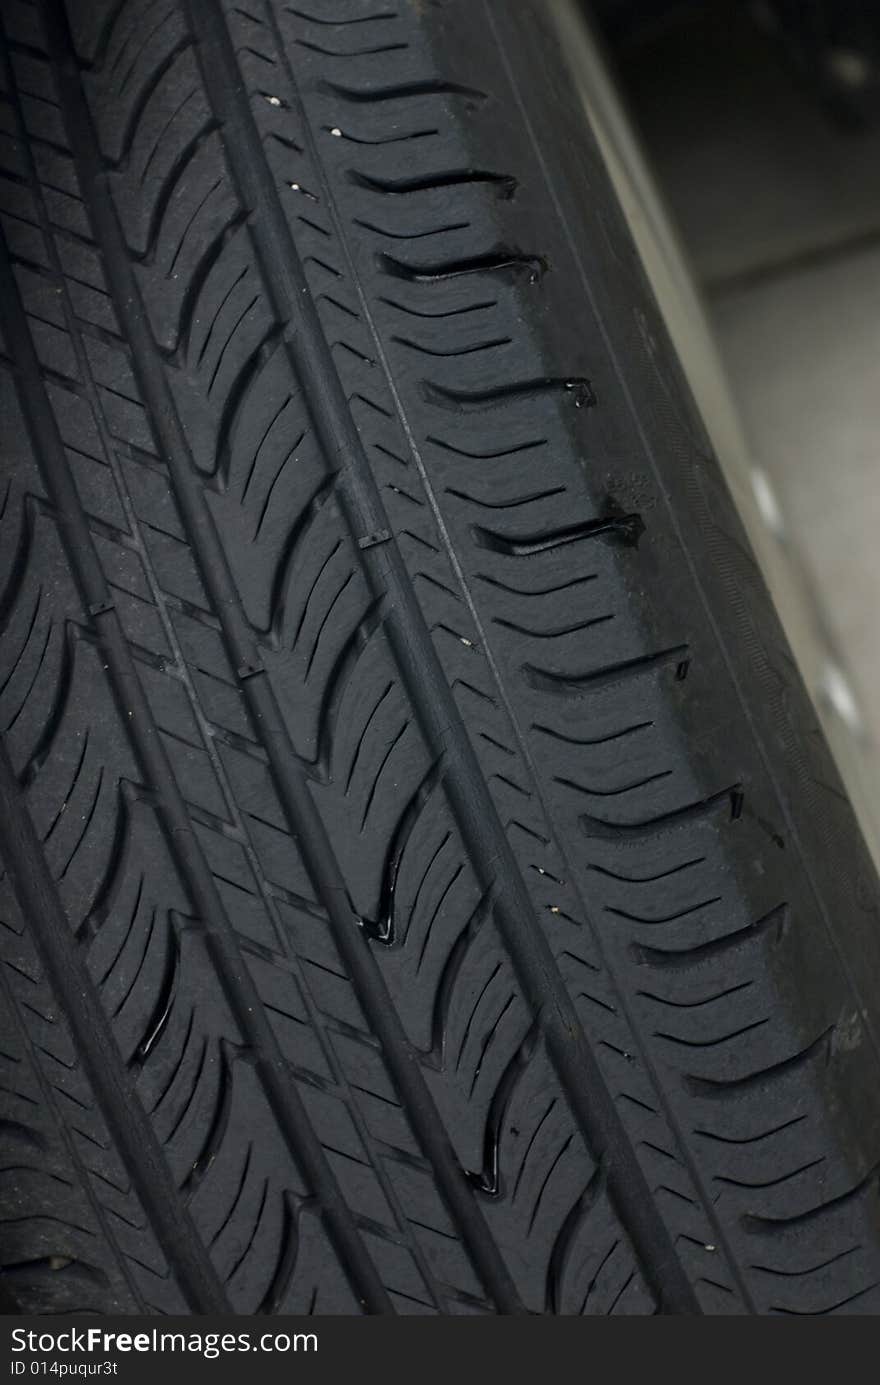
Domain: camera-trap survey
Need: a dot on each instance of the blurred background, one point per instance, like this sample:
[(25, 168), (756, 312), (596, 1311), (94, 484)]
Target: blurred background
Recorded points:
[(760, 123)]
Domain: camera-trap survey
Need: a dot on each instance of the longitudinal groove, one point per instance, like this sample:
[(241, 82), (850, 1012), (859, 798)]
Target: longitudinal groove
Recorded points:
[(50, 1097), (122, 1112), (238, 986), (287, 769), (490, 851)]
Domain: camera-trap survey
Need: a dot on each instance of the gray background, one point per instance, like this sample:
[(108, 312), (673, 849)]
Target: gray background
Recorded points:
[(779, 212)]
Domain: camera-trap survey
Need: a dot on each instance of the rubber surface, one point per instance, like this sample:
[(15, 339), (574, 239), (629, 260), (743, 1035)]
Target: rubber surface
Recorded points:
[(426, 887)]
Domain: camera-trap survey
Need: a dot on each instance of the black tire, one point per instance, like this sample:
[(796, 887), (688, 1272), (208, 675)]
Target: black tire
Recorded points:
[(427, 889)]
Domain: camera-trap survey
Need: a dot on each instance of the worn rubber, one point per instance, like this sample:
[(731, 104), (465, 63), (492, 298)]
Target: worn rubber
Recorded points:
[(426, 888)]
